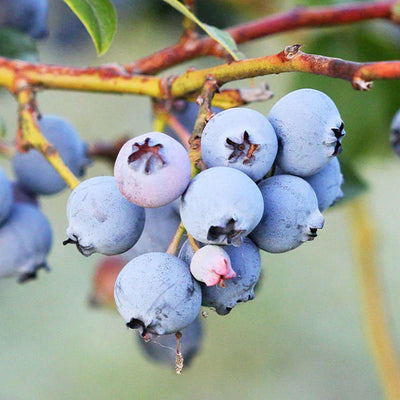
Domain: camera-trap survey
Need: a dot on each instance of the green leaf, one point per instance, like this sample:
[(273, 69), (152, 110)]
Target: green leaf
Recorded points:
[(3, 127), (99, 18), (354, 184), (17, 45), (220, 36)]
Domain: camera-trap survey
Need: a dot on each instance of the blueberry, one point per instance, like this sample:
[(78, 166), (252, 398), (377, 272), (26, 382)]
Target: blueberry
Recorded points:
[(159, 228), (156, 294), (211, 264), (221, 205), (309, 130), (395, 133), (163, 348), (152, 170), (326, 184), (29, 16), (21, 196), (6, 196), (291, 215), (246, 262), (101, 220), (34, 174), (240, 138), (25, 241)]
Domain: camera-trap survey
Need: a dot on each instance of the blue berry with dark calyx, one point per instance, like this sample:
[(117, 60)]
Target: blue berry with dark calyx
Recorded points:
[(162, 349), (327, 184), (34, 173), (395, 133), (101, 220), (221, 206), (152, 170), (309, 129), (159, 228), (291, 215), (240, 138), (156, 294), (25, 242), (6, 196), (246, 262), (29, 16)]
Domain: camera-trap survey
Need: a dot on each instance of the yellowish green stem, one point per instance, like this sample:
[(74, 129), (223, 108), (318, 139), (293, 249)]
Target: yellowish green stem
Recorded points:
[(30, 136), (173, 247), (375, 321)]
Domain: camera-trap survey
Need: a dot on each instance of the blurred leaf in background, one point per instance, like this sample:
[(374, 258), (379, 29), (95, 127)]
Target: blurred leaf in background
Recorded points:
[(14, 44), (367, 115)]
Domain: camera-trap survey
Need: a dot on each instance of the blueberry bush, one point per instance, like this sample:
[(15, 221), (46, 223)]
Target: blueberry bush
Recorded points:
[(219, 176)]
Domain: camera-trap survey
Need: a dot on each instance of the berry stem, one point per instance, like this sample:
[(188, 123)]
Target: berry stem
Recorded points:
[(375, 320), (193, 243), (29, 136), (179, 356), (107, 150), (180, 130), (173, 247), (204, 101)]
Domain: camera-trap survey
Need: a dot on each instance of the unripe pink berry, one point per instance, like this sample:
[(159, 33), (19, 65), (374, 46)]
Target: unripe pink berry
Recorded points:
[(211, 264)]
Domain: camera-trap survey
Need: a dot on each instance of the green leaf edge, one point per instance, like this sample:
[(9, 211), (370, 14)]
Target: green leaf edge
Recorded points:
[(224, 38), (104, 43)]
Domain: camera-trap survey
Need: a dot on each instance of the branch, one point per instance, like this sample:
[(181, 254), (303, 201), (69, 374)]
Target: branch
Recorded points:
[(29, 136), (291, 59), (116, 80), (300, 17), (107, 150)]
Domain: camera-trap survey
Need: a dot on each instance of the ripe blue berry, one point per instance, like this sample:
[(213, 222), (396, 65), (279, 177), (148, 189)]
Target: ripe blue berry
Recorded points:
[(20, 196), (101, 220), (326, 184), (25, 241), (221, 206), (6, 196), (395, 133), (25, 15), (163, 348), (291, 215), (309, 130), (34, 174), (152, 170), (246, 262), (240, 138), (160, 226), (156, 294)]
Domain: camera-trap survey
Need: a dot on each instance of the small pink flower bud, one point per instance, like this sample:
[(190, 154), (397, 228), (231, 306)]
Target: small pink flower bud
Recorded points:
[(211, 264)]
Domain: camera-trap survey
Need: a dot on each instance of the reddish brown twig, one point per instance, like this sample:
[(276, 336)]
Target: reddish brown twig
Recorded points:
[(294, 19), (107, 150)]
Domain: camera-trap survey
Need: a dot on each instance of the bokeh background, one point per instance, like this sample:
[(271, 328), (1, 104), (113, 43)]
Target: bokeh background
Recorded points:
[(302, 337)]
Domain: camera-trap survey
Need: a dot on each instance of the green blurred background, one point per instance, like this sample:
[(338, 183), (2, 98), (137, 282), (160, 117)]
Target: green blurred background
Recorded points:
[(302, 337)]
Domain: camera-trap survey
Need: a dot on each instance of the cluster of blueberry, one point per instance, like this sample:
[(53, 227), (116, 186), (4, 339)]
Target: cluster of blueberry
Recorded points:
[(266, 183), (29, 16), (24, 251)]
